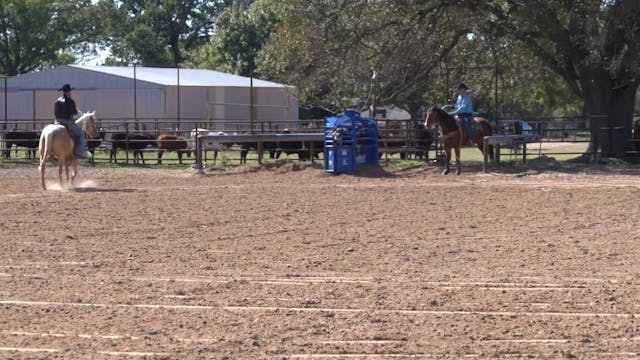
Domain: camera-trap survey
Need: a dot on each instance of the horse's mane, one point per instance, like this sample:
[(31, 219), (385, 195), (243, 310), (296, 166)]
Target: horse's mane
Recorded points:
[(447, 122), (84, 117), (440, 112)]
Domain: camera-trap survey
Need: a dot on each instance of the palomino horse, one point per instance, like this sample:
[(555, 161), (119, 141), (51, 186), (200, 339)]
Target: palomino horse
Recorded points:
[(453, 137), (55, 140)]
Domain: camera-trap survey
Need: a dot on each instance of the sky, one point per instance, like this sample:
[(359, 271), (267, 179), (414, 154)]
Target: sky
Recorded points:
[(99, 60)]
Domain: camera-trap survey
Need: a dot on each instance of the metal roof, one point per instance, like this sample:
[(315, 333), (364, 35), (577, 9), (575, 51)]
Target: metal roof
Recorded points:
[(188, 77)]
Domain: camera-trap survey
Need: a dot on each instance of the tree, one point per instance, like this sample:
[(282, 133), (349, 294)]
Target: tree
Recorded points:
[(594, 45), (506, 79), (332, 49), (418, 50), (241, 31), (161, 33), (39, 33)]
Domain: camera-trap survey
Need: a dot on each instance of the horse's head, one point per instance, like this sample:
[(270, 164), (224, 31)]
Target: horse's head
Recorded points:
[(89, 124), (435, 115), (432, 117)]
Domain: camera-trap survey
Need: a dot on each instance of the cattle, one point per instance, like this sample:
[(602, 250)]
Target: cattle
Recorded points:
[(171, 142), (397, 140), (92, 144), (208, 145), (423, 138), (270, 146), (21, 138), (302, 149), (128, 141)]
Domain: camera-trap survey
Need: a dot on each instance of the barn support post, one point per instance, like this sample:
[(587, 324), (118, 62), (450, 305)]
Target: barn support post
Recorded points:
[(126, 142), (33, 109), (135, 97), (6, 105), (178, 89), (251, 119)]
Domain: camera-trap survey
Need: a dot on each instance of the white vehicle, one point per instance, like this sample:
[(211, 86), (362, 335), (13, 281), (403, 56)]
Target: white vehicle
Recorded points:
[(517, 127)]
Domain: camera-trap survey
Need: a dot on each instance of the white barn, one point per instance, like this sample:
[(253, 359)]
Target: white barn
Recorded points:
[(152, 98)]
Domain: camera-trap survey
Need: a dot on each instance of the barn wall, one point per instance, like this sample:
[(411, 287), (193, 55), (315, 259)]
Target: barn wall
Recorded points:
[(53, 79), (230, 108), (31, 98), (19, 111), (110, 104)]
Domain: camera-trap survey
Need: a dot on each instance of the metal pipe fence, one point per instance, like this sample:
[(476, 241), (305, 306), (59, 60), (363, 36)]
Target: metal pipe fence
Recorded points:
[(397, 138)]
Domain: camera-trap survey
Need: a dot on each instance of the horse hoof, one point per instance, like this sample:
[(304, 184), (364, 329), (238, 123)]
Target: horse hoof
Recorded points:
[(458, 172), (445, 172)]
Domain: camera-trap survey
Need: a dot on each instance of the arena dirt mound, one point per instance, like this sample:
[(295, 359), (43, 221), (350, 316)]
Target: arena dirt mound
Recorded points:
[(279, 166), (543, 163)]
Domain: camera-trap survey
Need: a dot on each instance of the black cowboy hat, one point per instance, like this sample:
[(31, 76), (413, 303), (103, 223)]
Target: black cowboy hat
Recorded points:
[(462, 86), (66, 88)]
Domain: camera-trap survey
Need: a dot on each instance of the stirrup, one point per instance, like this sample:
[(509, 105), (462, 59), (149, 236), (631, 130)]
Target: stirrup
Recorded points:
[(85, 155)]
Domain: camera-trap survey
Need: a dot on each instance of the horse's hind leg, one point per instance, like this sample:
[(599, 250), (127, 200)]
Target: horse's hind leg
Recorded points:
[(60, 169), (42, 149), (74, 165), (41, 168)]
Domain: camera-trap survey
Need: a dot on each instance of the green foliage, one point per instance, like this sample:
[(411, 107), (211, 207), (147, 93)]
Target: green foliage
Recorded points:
[(526, 87), (419, 51), (593, 45), (161, 33), (332, 49), (241, 31), (39, 33)]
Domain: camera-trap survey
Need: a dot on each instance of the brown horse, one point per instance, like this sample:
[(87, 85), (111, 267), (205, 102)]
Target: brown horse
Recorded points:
[(453, 136), (55, 140)]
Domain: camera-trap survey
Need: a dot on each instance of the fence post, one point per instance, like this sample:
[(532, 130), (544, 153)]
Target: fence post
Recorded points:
[(126, 143), (198, 165)]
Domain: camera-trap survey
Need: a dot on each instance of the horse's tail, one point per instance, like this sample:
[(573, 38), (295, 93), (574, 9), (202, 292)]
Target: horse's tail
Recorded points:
[(45, 146), (42, 147), (486, 130)]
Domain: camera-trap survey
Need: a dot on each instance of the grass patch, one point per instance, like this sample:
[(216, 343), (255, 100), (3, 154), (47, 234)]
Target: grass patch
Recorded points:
[(560, 151)]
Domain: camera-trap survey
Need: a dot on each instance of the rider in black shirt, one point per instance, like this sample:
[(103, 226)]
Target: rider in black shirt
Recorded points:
[(64, 110)]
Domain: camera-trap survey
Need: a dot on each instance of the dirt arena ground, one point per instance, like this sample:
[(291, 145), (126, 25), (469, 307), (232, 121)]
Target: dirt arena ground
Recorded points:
[(288, 262)]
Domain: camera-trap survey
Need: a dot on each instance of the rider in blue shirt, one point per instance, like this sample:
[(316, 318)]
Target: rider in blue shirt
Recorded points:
[(464, 109)]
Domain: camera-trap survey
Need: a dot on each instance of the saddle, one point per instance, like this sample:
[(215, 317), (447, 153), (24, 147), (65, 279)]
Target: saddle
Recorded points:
[(69, 132)]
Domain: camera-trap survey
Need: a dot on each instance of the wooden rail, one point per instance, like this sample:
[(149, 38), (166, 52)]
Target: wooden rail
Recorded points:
[(498, 140), (259, 139)]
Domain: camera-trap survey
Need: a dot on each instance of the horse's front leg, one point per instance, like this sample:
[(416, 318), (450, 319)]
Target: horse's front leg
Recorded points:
[(61, 167), (447, 154), (66, 173), (458, 167), (456, 144), (74, 165)]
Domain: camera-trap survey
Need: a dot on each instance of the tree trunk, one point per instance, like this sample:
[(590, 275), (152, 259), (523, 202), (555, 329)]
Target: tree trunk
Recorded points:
[(610, 115), (609, 108)]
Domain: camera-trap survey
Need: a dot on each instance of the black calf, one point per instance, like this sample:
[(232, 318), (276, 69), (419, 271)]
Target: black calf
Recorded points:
[(134, 142), (270, 146), (27, 139)]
